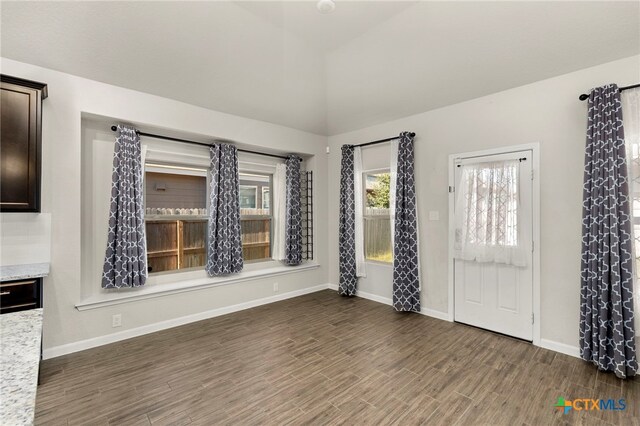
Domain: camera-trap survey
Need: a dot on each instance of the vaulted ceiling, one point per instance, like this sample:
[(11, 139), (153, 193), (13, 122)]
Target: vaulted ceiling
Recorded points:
[(283, 62)]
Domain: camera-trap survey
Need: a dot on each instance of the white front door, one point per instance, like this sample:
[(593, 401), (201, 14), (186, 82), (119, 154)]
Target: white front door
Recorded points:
[(498, 296)]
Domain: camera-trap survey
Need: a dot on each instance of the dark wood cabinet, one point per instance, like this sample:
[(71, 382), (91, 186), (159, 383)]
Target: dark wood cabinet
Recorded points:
[(21, 143), (20, 295)]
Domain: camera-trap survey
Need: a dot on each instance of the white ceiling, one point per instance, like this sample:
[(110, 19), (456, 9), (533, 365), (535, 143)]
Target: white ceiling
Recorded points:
[(438, 54), (326, 32), (285, 63)]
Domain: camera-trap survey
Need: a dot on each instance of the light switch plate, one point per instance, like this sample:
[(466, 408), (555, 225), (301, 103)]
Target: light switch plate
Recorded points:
[(434, 215)]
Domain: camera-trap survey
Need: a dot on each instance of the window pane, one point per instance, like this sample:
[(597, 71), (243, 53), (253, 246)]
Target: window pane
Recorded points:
[(377, 189), (248, 197), (170, 193), (377, 223), (377, 239), (487, 209), (255, 216), (176, 221)]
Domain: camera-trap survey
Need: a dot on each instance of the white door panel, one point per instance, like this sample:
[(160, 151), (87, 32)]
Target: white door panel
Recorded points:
[(495, 296)]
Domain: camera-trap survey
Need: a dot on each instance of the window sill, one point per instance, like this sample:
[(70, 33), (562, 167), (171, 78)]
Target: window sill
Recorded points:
[(116, 297), (379, 263)]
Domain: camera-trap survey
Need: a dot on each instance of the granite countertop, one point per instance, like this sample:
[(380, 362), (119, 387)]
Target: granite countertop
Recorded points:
[(23, 272), (20, 335)]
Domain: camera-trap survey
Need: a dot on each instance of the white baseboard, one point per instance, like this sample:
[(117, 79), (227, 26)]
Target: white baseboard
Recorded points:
[(563, 348), (387, 301), (81, 345), (436, 314), (163, 325), (368, 296), (374, 297)]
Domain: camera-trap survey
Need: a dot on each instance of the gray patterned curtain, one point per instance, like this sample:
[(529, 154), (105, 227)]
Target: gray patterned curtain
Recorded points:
[(224, 240), (125, 263), (347, 228), (606, 296), (406, 279), (293, 227)]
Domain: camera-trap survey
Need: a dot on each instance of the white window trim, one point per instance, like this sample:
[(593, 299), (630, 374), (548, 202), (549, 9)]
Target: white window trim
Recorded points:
[(117, 297), (174, 169), (371, 217), (268, 189)]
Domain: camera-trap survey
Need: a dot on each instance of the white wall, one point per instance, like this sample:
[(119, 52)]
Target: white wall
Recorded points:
[(69, 98), (25, 238), (547, 112)]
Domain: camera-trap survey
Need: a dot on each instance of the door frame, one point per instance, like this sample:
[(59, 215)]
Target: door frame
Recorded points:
[(534, 147)]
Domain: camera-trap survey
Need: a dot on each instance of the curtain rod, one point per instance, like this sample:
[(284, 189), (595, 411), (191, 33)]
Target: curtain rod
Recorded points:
[(412, 134), (169, 138), (584, 96), (520, 160)]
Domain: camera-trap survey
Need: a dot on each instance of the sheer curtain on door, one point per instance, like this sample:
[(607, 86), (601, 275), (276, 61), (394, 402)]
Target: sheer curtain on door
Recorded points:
[(488, 216)]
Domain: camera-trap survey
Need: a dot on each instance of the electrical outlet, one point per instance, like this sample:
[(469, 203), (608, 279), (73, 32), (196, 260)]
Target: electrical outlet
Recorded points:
[(275, 287), (116, 320)]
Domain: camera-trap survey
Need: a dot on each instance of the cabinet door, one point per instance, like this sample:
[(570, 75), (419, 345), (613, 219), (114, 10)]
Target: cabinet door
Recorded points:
[(20, 148)]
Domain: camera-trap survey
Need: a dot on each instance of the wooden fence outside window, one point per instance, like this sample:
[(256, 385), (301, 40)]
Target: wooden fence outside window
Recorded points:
[(180, 243)]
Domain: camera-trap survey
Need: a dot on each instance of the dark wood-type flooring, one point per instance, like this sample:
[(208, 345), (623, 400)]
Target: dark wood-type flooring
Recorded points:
[(324, 359)]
